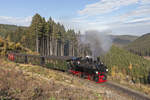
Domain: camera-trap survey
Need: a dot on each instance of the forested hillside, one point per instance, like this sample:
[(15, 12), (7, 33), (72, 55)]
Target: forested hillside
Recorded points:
[(122, 63), (5, 29), (140, 46)]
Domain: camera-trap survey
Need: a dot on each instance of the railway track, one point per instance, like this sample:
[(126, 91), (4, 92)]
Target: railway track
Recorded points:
[(134, 95), (119, 89)]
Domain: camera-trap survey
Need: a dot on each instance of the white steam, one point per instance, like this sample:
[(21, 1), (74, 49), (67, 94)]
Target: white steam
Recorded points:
[(99, 42)]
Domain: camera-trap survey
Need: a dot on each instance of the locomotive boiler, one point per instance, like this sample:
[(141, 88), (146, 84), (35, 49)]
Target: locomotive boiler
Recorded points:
[(88, 68)]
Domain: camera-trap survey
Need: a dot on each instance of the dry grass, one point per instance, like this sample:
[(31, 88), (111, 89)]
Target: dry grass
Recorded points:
[(17, 85)]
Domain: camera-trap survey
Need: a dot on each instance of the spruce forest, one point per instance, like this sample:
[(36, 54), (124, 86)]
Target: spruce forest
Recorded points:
[(45, 37)]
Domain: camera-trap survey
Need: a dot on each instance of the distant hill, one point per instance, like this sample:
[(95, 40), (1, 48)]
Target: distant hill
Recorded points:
[(122, 40), (140, 46), (6, 29), (7, 26)]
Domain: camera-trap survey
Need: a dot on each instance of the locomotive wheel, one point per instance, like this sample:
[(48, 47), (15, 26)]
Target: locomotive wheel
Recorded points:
[(105, 77), (83, 75), (96, 78)]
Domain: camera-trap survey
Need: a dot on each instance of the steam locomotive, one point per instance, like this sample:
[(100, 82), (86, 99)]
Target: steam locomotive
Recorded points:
[(88, 68)]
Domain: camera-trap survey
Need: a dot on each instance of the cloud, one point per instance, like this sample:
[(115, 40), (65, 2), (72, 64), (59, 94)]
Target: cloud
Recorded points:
[(130, 28), (117, 16), (145, 1), (105, 6), (140, 20), (141, 11), (23, 21)]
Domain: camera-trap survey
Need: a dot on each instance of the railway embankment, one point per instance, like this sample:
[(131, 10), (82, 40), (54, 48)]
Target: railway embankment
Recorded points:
[(26, 81)]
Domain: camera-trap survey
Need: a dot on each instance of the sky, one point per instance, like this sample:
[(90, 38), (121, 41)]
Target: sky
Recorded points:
[(112, 16)]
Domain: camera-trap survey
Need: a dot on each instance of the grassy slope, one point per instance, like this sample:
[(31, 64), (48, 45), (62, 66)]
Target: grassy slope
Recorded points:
[(19, 81), (43, 79)]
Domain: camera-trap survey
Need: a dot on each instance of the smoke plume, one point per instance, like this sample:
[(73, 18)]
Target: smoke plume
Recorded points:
[(99, 42)]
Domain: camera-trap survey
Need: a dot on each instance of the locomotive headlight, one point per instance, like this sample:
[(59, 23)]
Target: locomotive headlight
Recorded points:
[(78, 62), (106, 70), (96, 72)]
